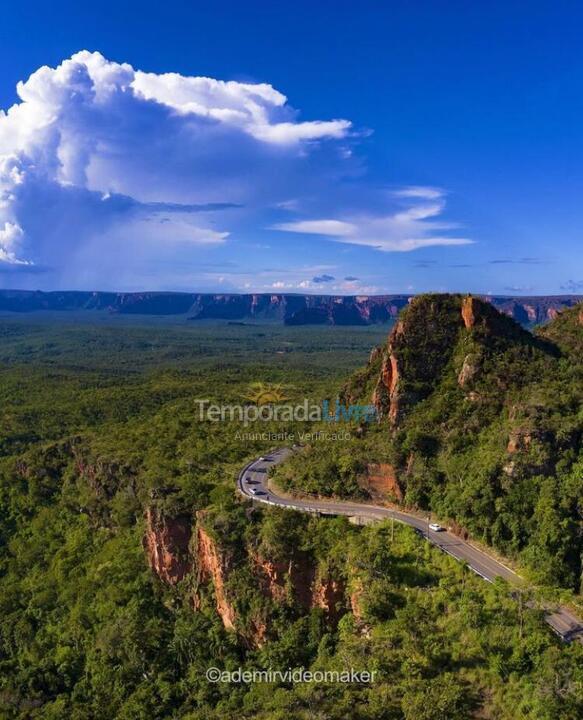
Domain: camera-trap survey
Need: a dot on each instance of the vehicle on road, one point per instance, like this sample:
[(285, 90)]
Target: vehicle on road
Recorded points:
[(561, 619), (249, 481)]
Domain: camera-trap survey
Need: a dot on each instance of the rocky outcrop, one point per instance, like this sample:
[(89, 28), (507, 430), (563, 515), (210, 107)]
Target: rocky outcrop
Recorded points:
[(213, 565), (381, 482), (166, 542), (329, 594), (174, 551), (468, 371), (296, 581), (272, 577), (418, 349), (425, 343), (478, 312), (356, 594), (519, 440), (386, 393), (531, 445), (469, 311), (286, 581)]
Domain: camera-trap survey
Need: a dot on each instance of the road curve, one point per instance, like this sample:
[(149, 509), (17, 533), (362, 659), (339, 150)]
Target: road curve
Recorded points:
[(252, 482)]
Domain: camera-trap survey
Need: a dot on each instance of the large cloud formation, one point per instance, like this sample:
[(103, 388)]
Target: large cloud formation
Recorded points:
[(109, 172)]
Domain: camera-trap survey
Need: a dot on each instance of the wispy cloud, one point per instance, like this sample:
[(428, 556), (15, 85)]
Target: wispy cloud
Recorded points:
[(519, 261), (424, 263), (573, 286), (519, 288), (420, 192), (417, 225)]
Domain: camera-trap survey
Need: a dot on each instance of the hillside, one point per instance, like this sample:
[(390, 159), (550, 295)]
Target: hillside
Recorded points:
[(480, 422), (129, 566)]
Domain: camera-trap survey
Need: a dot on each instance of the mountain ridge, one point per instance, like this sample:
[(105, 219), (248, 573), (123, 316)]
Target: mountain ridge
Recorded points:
[(285, 308)]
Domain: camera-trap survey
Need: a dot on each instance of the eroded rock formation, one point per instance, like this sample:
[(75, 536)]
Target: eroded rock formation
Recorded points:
[(166, 542), (381, 481), (213, 565)]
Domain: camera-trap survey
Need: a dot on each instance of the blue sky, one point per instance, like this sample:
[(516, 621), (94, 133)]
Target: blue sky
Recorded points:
[(362, 147)]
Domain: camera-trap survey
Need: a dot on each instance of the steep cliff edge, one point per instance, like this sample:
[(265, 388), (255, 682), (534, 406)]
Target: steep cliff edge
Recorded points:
[(181, 548), (166, 542), (213, 565)]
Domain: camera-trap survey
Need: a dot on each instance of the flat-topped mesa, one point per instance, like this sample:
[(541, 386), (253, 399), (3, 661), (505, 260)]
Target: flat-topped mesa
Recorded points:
[(290, 309)]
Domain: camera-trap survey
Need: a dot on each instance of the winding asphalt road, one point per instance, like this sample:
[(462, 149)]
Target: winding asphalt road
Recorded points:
[(252, 482)]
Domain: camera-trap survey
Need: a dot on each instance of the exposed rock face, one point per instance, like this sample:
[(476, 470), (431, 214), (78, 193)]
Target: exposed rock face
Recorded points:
[(531, 444), (478, 312), (286, 581), (469, 311), (469, 370), (272, 578), (381, 481), (289, 309), (518, 441), (296, 581), (356, 599), (418, 349), (386, 394), (174, 551), (166, 542), (425, 340), (212, 565), (329, 595)]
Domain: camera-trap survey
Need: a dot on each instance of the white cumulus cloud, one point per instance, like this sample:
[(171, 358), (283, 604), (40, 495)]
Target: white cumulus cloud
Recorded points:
[(115, 178), (95, 151)]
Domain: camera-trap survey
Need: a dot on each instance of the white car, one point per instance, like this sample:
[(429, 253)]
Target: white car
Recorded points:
[(435, 527)]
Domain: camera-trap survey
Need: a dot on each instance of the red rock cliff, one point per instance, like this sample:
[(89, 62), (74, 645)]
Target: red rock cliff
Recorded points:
[(469, 311), (166, 542), (381, 481), (212, 566)]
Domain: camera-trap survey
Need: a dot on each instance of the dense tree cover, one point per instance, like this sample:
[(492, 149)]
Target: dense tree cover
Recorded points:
[(500, 452), (92, 437)]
